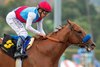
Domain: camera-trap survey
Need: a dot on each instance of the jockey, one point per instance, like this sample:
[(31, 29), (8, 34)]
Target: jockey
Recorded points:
[(28, 16)]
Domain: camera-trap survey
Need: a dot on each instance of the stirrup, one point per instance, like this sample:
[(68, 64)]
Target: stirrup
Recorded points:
[(24, 55), (20, 55), (17, 55)]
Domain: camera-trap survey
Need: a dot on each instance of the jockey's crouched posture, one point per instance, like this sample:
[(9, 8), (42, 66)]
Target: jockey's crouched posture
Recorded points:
[(29, 16)]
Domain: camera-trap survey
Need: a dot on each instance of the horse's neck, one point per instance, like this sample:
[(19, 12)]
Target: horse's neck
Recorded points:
[(63, 34), (52, 50), (54, 47)]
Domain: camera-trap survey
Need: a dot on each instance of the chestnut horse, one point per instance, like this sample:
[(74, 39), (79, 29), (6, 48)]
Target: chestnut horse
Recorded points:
[(46, 52)]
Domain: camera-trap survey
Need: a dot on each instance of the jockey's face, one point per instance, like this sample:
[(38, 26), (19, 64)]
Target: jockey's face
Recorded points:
[(43, 13)]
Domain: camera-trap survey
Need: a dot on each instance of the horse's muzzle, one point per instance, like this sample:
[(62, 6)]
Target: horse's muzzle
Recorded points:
[(90, 47)]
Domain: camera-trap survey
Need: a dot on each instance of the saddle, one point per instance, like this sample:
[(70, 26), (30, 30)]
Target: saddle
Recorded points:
[(9, 44)]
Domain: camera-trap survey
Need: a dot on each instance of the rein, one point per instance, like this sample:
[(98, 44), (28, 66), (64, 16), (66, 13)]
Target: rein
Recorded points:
[(82, 40), (53, 39)]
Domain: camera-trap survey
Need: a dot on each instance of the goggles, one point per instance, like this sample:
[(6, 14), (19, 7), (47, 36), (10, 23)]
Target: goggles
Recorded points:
[(45, 12)]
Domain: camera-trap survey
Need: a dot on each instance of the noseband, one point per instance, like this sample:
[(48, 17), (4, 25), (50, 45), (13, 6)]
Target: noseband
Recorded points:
[(85, 38)]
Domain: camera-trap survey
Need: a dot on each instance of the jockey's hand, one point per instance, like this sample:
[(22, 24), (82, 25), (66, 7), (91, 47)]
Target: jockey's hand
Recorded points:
[(43, 35)]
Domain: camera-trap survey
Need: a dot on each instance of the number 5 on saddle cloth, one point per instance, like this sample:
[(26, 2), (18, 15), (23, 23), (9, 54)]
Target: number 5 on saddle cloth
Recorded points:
[(9, 44)]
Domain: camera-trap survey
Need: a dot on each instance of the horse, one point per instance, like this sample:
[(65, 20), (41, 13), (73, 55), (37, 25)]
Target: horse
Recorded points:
[(46, 52)]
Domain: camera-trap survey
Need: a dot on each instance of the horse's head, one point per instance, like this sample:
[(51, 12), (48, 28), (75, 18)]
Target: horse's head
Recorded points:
[(79, 37)]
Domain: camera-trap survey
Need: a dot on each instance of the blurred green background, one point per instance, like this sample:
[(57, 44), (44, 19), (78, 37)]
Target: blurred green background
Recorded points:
[(86, 13)]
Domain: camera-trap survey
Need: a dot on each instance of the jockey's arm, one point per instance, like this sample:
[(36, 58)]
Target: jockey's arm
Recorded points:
[(29, 20), (40, 27)]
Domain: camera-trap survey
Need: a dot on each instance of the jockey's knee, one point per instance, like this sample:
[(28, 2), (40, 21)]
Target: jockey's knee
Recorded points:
[(25, 34)]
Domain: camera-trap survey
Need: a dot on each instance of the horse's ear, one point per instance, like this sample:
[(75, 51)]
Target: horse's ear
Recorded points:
[(69, 22)]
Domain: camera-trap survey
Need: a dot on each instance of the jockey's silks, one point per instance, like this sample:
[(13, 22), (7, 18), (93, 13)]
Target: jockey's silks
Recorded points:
[(22, 13)]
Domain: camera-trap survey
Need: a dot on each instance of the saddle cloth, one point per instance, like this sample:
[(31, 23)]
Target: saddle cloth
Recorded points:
[(9, 44)]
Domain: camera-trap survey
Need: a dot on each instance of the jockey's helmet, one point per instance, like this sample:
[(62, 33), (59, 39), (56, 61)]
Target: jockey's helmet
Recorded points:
[(45, 6)]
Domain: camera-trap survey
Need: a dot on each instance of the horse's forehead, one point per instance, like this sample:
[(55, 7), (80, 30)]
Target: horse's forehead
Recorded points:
[(77, 26)]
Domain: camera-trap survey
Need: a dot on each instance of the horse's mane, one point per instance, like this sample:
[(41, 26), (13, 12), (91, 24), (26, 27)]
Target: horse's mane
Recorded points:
[(50, 34), (57, 30)]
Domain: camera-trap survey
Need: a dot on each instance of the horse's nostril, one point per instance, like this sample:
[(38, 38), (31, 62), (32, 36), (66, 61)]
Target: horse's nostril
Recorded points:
[(93, 46)]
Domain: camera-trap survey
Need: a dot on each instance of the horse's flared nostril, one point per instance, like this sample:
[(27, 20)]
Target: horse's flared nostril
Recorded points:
[(93, 46)]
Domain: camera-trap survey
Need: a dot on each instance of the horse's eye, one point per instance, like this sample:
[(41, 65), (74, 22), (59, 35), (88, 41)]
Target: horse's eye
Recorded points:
[(79, 32)]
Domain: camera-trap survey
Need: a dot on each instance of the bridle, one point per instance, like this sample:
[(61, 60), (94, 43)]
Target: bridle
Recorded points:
[(82, 40)]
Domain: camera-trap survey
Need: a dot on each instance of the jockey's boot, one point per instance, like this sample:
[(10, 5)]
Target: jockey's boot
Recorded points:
[(27, 40), (19, 52)]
